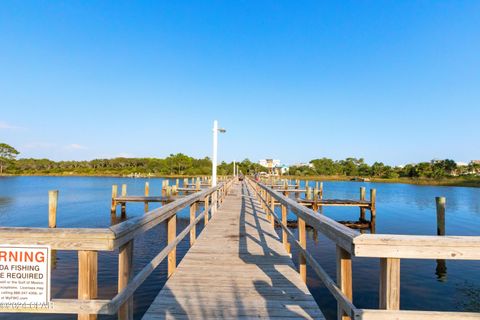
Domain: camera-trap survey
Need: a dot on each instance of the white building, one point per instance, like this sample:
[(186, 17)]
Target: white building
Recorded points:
[(273, 166), (269, 163)]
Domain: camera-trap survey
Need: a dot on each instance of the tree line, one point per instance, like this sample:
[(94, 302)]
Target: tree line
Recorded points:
[(174, 164), (181, 164), (353, 167)]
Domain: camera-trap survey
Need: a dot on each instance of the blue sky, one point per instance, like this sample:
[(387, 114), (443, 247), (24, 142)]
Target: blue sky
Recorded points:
[(391, 81)]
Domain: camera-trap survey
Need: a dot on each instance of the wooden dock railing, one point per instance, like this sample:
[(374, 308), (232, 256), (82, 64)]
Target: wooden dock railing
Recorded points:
[(390, 249), (88, 242)]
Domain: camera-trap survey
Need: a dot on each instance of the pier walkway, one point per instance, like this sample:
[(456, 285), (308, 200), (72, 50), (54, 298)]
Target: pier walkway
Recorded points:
[(237, 268)]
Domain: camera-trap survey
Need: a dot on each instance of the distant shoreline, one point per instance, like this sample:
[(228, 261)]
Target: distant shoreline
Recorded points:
[(473, 182)]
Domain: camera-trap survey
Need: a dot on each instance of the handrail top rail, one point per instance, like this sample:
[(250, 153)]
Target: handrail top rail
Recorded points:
[(338, 233), (99, 239), (130, 226), (384, 245)]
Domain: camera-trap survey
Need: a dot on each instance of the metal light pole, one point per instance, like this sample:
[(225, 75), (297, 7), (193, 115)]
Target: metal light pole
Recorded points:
[(216, 130)]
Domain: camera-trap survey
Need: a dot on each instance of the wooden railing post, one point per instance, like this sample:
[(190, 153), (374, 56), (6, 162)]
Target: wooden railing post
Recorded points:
[(113, 208), (272, 207), (171, 235), (389, 292), (87, 279), (344, 278), (214, 203), (147, 190), (125, 274), (193, 231), (206, 210), (286, 245), (302, 238)]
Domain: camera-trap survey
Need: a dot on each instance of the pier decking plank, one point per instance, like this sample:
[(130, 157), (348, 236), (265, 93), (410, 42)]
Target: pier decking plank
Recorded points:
[(237, 268)]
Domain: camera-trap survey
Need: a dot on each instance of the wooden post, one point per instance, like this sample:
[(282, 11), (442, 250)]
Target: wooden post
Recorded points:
[(164, 190), (362, 198), (213, 203), (124, 204), (389, 295), (147, 190), (297, 187), (302, 238), (321, 191), (171, 235), (87, 279), (284, 223), (52, 219), (440, 203), (373, 200), (344, 278), (206, 209), (193, 231), (52, 208), (307, 190), (113, 208), (125, 274), (441, 270)]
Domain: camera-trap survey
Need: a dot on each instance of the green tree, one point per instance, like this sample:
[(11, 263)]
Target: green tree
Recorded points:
[(7, 155)]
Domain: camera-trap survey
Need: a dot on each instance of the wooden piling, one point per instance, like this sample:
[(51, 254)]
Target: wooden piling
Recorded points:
[(52, 219), (373, 200), (147, 191), (362, 198), (440, 204), (113, 208), (124, 204), (52, 208), (441, 269)]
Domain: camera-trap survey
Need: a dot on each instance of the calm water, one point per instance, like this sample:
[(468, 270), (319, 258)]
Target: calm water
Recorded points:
[(406, 209)]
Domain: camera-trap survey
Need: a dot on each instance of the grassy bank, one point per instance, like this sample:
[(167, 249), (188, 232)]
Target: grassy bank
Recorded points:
[(453, 181)]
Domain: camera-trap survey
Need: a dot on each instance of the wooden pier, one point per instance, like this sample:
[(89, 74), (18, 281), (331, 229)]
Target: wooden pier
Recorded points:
[(238, 267)]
